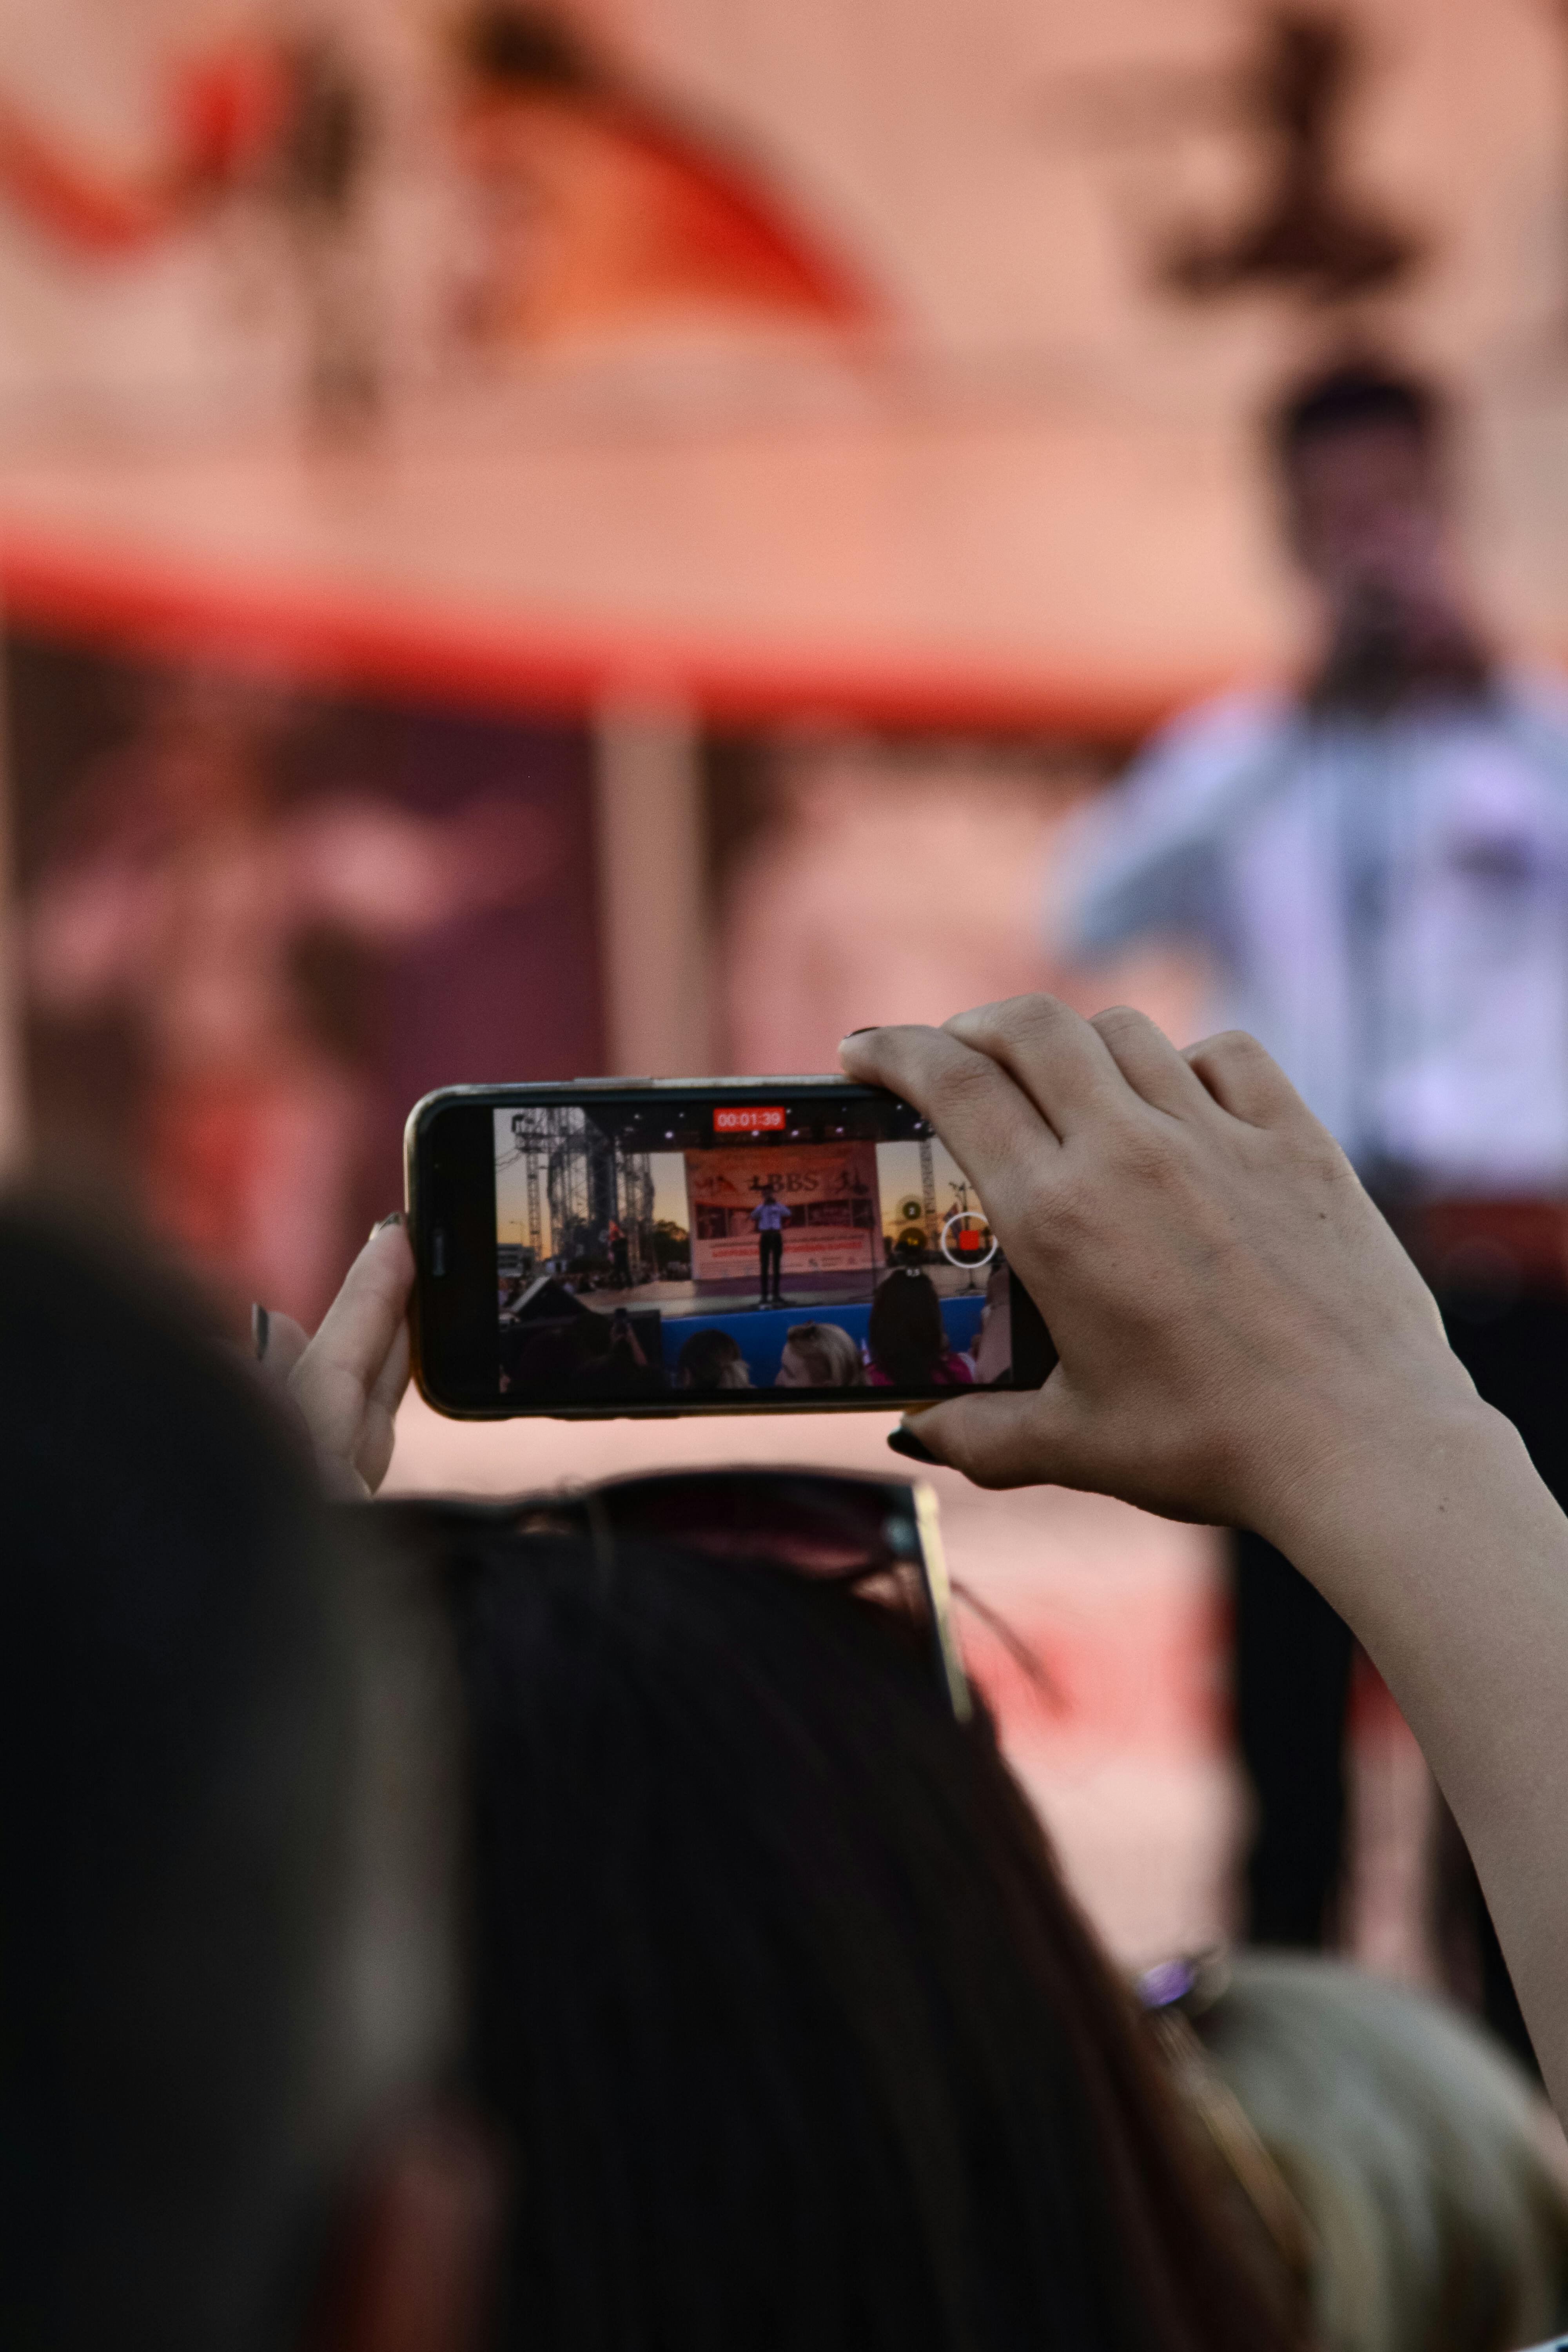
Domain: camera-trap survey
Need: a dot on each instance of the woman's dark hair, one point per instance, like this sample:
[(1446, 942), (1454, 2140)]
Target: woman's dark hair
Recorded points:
[(176, 1769), (712, 1358), (904, 1330), (798, 2038), (1349, 398)]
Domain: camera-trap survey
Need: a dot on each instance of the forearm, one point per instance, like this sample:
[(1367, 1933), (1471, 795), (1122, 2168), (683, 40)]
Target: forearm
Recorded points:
[(1446, 1554), (1241, 1338)]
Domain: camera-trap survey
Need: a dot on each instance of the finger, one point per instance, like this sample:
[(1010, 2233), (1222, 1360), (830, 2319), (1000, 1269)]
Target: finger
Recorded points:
[(372, 1455), (1243, 1079), (1001, 1439), (276, 1343), (987, 1123), (390, 1383), (334, 1378), (359, 1326), (1149, 1062), (1052, 1053)]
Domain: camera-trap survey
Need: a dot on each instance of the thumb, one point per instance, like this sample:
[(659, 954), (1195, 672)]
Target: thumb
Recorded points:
[(340, 1371), (1000, 1438)]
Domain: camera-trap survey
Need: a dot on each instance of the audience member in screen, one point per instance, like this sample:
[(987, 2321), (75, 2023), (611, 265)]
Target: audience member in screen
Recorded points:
[(542, 1358), (820, 1356), (711, 1360), (992, 1354), (908, 1343), (619, 1367)]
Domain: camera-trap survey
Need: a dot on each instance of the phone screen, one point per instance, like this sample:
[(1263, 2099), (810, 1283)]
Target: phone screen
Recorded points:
[(694, 1248), (663, 1248)]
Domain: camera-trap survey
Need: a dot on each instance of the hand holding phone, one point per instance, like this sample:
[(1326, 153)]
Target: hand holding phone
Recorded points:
[(1237, 1320)]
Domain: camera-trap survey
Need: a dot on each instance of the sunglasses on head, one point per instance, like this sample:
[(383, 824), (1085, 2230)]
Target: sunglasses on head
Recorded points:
[(834, 1527)]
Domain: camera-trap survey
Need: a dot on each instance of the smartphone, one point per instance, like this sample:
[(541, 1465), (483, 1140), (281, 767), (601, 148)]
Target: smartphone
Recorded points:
[(619, 1246)]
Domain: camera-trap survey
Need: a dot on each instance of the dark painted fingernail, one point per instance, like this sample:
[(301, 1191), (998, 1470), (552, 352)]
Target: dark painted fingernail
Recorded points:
[(393, 1217), (260, 1329), (905, 1442)]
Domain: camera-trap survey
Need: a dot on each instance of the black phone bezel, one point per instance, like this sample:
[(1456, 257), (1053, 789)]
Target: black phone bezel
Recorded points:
[(450, 1193)]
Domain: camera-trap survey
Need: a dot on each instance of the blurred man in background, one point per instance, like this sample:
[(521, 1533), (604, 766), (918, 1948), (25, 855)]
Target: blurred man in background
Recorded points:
[(1377, 868)]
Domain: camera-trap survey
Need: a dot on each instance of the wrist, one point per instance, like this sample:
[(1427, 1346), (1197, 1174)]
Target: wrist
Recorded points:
[(1362, 1474)]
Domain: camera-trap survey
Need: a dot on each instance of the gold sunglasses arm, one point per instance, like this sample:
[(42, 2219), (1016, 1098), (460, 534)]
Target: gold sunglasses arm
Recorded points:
[(939, 1598)]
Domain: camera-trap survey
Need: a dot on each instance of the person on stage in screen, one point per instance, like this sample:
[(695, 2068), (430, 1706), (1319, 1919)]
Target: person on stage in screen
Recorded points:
[(615, 1240), (769, 1217), (1375, 865)]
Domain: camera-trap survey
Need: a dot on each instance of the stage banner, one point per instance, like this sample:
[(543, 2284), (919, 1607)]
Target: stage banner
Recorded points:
[(828, 1189), (541, 335)]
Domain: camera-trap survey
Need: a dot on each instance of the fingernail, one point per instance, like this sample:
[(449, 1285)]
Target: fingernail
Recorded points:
[(393, 1217), (260, 1330), (904, 1440), (866, 1031)]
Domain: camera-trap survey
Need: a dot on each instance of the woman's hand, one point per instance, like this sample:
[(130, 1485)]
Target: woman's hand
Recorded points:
[(1243, 1340), (1231, 1313), (347, 1382)]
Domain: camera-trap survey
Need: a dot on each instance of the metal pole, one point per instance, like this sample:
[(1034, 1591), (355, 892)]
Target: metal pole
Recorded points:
[(928, 1190), (653, 892)]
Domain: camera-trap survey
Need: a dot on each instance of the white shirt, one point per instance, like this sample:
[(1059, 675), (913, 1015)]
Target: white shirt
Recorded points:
[(769, 1216), (1385, 904)]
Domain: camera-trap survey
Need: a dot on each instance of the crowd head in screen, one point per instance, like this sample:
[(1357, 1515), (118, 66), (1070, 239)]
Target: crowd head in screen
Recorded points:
[(820, 1356), (992, 1354), (904, 1334), (712, 1359)]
